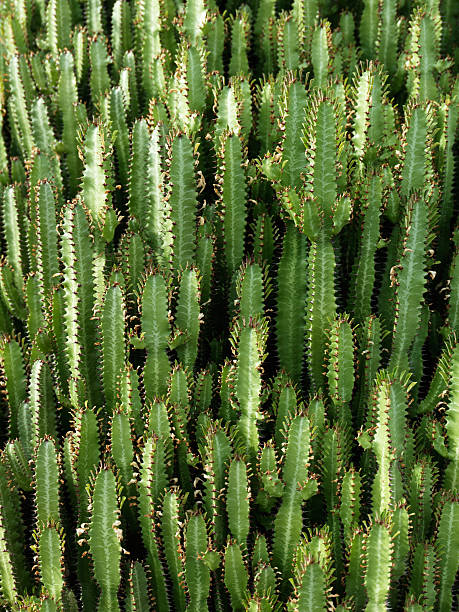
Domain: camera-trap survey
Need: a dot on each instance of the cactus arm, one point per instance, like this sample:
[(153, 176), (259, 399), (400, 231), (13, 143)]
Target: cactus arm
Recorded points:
[(158, 424), (139, 598), (378, 556), (216, 457), (48, 268), (156, 223), (8, 586), (156, 329), (12, 233), (197, 574), (99, 79), (350, 502), (42, 403), (94, 16), (355, 575), (449, 122), (94, 183), (13, 371), (194, 20), (182, 202), (77, 255), (215, 36), (422, 53), (398, 421), (113, 343), (401, 539), (58, 22), (205, 260), (267, 131), (452, 426), (50, 561), (57, 332), (228, 118), (388, 36), (118, 119), (429, 58), (250, 291), (134, 262), (70, 298), (340, 373), (3, 156), (320, 54), (288, 43), (236, 577), (11, 521), (146, 170), (272, 485), (414, 159), (293, 149), (67, 98), (370, 336), (286, 408), (150, 23), (122, 447), (291, 282), (172, 546), (86, 446), (320, 304), (331, 463), (305, 13), (323, 150), (121, 37), (12, 295), (233, 199), (310, 590), (237, 502), (386, 306), (410, 282), (138, 174), (18, 465), (179, 406), (453, 311), (369, 28), (446, 545), (381, 448), (243, 97), (195, 77), (35, 320), (365, 263), (248, 385), (47, 484), (240, 32), (187, 321), (147, 521), (104, 539), (80, 45), (18, 106), (288, 522)]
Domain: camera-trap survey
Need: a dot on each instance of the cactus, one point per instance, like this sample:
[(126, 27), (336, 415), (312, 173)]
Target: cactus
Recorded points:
[(229, 305)]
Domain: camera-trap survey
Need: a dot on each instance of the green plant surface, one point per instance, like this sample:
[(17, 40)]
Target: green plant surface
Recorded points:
[(229, 305)]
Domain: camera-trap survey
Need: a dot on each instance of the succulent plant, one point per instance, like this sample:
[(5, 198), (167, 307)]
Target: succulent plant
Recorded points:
[(229, 305)]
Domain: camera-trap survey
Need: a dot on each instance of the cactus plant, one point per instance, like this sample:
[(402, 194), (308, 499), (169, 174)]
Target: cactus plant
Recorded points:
[(229, 305)]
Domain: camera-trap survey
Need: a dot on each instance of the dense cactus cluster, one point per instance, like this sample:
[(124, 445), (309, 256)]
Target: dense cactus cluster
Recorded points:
[(229, 305)]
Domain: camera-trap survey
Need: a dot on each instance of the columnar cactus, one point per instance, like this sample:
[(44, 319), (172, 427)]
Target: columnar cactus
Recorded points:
[(229, 305)]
